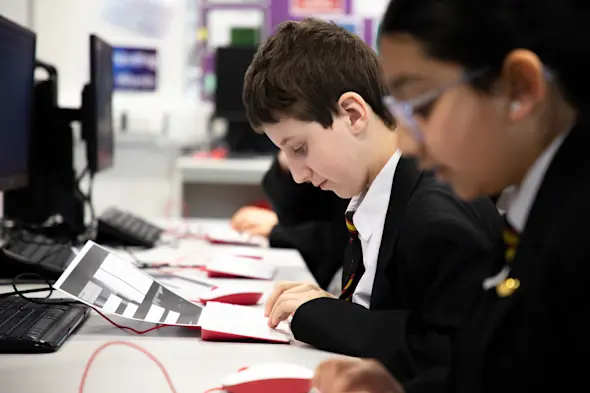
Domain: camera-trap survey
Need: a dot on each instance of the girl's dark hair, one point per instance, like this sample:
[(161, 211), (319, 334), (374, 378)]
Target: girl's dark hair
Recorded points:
[(478, 34)]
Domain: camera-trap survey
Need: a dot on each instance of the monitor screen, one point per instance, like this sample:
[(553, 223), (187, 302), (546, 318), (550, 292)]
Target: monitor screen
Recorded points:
[(231, 64), (17, 70), (101, 144)]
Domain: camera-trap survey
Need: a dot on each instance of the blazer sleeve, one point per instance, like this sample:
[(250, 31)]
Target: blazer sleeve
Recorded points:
[(321, 244), (296, 203), (413, 344)]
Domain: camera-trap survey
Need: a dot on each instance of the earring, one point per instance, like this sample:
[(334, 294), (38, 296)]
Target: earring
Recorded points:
[(514, 106)]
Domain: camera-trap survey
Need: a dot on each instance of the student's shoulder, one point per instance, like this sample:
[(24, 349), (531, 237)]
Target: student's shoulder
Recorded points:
[(434, 205), (432, 197)]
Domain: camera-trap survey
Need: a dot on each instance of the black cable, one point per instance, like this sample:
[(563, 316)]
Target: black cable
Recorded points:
[(43, 301), (82, 174), (12, 225), (26, 237), (87, 198)]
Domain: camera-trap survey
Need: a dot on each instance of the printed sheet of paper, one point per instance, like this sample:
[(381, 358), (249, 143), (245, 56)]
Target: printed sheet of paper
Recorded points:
[(172, 256), (227, 235), (115, 286), (241, 267), (242, 285), (242, 321), (189, 288)]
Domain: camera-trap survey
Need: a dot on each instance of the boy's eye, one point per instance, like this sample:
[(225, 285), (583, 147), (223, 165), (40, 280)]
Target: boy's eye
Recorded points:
[(299, 150)]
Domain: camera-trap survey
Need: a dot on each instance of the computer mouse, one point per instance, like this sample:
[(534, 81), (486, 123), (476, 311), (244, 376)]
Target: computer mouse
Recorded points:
[(242, 297), (269, 378)]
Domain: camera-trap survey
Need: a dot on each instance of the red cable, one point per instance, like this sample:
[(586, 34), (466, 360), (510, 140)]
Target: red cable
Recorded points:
[(122, 327), (128, 344)]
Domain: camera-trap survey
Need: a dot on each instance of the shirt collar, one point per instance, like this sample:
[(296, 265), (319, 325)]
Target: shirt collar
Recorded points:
[(522, 198), (370, 207)]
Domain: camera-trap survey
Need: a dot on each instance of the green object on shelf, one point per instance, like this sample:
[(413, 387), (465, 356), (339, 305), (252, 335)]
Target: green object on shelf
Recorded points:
[(245, 36)]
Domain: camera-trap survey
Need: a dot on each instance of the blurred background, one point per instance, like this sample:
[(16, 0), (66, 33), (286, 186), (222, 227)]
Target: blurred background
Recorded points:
[(182, 145)]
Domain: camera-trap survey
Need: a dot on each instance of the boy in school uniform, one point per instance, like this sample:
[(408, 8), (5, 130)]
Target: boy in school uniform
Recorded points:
[(416, 254), (304, 218)]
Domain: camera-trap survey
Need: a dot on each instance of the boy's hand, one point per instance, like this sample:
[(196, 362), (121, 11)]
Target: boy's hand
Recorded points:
[(255, 221), (354, 376), (287, 297)]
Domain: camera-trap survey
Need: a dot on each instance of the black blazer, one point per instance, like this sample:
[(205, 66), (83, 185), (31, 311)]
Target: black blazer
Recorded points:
[(538, 339), (433, 257), (310, 221)]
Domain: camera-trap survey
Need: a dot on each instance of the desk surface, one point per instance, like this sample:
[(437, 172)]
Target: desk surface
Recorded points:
[(223, 170), (193, 365)]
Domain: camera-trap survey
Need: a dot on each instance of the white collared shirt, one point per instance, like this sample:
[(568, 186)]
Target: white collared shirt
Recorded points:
[(369, 219), (522, 198)]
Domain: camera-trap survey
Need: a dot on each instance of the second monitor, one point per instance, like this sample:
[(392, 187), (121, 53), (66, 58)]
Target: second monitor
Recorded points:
[(96, 113)]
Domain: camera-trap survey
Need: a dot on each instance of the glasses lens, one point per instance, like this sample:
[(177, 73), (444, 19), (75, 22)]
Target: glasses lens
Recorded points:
[(404, 116)]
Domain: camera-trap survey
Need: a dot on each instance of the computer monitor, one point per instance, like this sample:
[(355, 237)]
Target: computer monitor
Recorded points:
[(231, 64), (97, 112), (17, 73)]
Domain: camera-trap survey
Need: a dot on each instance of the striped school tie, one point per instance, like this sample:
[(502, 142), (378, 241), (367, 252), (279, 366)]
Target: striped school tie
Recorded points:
[(353, 256), (509, 285)]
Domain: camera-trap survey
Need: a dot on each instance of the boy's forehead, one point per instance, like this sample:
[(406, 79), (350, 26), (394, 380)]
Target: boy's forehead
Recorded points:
[(287, 130)]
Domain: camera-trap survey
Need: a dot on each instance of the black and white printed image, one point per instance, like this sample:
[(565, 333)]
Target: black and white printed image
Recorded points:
[(114, 285)]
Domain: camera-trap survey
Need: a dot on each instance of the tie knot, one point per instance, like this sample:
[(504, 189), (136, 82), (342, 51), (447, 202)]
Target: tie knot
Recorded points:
[(349, 223), (510, 235)]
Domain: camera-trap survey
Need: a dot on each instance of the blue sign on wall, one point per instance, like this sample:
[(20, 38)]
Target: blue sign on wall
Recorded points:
[(135, 69)]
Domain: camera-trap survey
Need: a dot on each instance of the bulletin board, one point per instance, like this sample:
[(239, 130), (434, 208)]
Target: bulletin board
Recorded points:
[(275, 12)]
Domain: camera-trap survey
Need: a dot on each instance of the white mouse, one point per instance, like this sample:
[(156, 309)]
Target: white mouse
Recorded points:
[(242, 297), (270, 378)]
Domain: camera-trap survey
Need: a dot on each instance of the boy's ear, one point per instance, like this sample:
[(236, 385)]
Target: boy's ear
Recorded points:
[(356, 109)]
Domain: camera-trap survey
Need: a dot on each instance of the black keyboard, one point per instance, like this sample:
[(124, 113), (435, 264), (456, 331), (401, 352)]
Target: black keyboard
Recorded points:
[(27, 327), (120, 228), (33, 253)]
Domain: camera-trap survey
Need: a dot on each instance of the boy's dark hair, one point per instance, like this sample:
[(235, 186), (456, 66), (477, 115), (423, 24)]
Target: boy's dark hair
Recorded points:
[(301, 71), (478, 34)]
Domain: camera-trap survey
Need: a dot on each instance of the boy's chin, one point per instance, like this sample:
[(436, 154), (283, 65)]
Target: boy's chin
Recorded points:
[(344, 193)]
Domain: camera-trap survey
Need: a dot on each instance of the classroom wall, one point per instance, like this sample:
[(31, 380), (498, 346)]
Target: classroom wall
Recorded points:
[(63, 27), (16, 10)]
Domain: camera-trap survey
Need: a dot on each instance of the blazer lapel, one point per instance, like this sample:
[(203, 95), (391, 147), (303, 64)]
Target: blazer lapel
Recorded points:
[(406, 178)]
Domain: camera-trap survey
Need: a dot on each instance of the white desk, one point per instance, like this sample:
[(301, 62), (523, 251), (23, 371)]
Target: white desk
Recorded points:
[(193, 365), (216, 188)]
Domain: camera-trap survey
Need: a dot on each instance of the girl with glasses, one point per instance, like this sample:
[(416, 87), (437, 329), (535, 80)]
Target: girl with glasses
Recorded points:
[(491, 94)]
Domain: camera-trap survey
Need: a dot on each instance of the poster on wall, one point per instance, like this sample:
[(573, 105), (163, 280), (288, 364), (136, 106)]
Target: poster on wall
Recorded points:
[(314, 7), (135, 69)]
